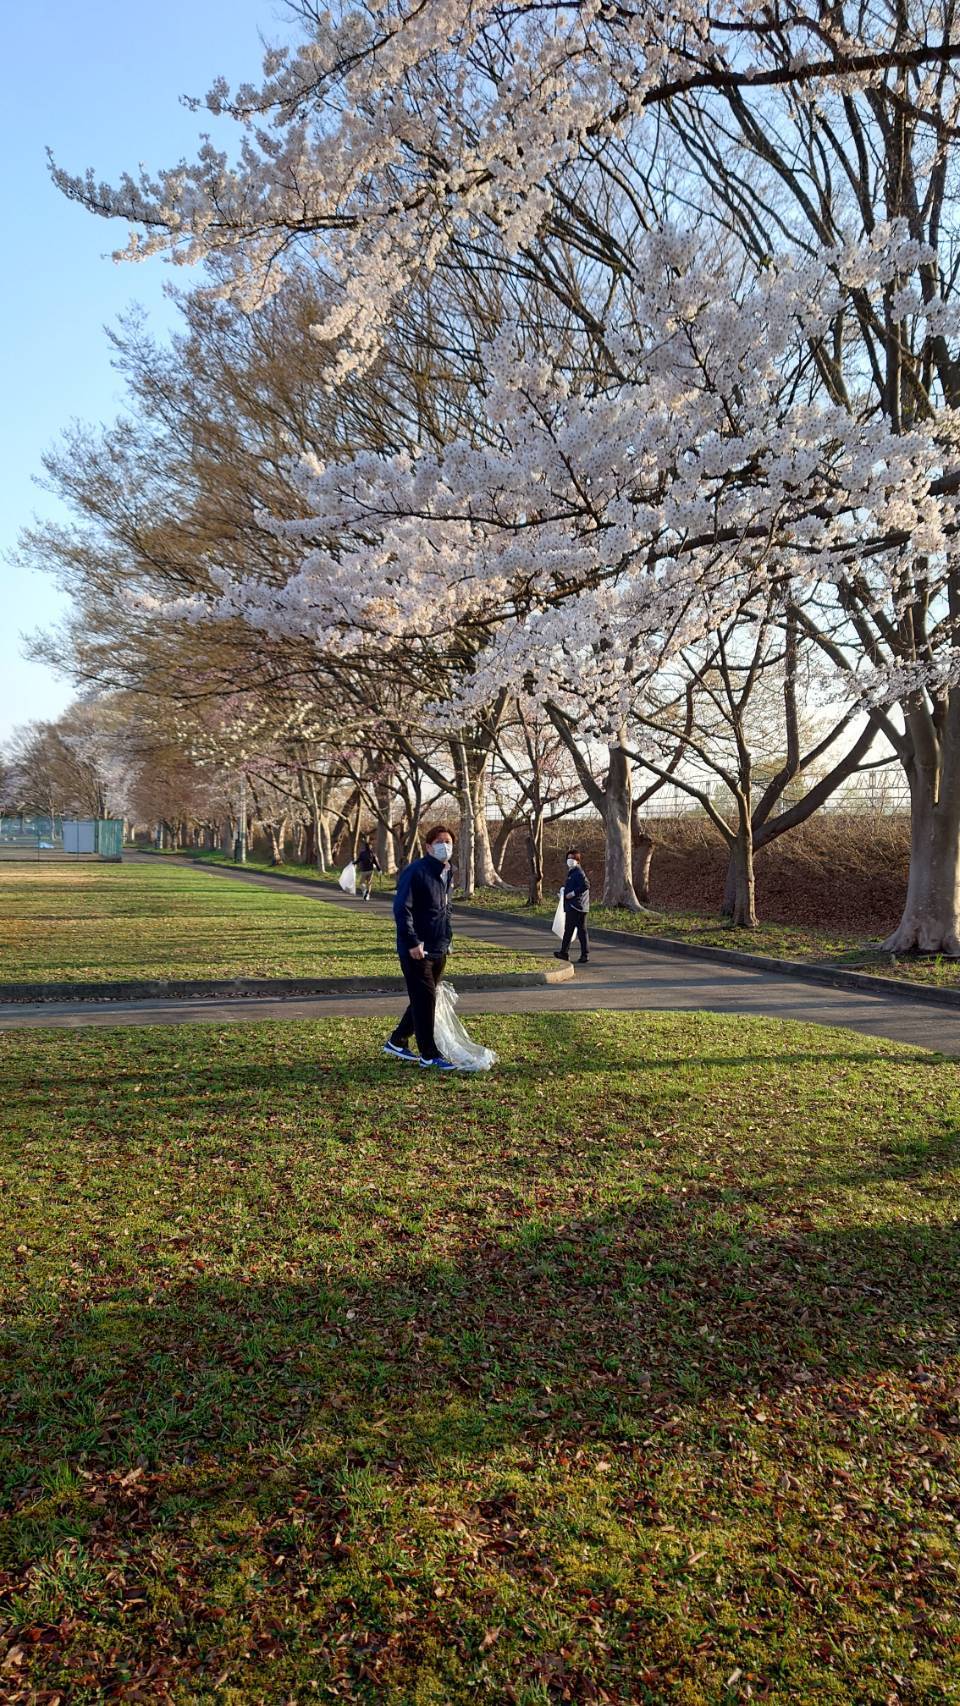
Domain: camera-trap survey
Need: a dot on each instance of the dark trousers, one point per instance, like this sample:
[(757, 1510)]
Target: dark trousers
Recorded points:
[(574, 921), (421, 977)]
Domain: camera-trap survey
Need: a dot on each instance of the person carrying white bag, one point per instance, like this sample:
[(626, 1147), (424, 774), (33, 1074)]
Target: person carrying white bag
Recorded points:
[(421, 908), (575, 900)]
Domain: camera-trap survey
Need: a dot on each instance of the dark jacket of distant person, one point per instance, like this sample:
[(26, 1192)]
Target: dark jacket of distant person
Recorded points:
[(576, 891)]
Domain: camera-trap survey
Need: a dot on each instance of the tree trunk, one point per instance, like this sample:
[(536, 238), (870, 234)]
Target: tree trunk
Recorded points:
[(745, 899), (466, 849), (642, 862), (384, 836), (535, 859), (485, 865), (310, 842), (356, 831), (468, 869), (277, 833), (487, 875), (618, 889), (501, 841), (931, 916), (325, 856), (409, 841)]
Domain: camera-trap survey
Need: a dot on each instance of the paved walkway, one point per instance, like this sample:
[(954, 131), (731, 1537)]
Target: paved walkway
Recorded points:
[(618, 977)]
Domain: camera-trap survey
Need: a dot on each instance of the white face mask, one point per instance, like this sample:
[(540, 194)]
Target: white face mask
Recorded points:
[(572, 863), (441, 850)]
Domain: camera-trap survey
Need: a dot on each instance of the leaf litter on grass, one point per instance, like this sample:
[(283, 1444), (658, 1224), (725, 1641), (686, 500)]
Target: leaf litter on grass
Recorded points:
[(630, 1369)]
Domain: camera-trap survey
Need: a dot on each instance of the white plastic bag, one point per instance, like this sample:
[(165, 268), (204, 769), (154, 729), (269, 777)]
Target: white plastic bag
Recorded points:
[(451, 1038), (559, 918), (348, 878)]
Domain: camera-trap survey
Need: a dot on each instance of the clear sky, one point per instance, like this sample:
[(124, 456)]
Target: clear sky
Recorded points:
[(100, 84)]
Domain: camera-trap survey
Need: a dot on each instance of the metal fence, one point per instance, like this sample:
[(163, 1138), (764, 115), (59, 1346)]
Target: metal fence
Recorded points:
[(50, 838)]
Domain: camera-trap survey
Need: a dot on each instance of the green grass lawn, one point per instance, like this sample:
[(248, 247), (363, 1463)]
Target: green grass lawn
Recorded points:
[(93, 923), (786, 941), (707, 930), (629, 1373), (783, 941)]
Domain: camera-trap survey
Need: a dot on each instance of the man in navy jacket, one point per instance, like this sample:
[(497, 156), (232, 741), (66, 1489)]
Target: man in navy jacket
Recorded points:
[(421, 908), (576, 905)]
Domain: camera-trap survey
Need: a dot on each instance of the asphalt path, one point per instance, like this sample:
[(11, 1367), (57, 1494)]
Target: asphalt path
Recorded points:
[(618, 978)]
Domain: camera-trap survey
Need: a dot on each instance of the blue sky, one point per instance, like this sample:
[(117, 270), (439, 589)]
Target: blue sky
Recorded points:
[(100, 85)]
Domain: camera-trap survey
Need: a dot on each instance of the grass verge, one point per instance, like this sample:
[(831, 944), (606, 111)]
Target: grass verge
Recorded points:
[(629, 1373), (87, 923), (707, 930), (782, 941)]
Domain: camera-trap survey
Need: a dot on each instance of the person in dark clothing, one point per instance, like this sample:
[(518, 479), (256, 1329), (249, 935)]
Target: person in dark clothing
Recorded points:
[(367, 864), (421, 908), (576, 905)]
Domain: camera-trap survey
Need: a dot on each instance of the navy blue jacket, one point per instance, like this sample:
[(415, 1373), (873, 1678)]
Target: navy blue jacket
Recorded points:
[(421, 906), (576, 891)]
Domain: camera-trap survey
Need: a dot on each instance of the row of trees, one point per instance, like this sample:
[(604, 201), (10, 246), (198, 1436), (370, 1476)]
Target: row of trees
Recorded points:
[(305, 798), (570, 411)]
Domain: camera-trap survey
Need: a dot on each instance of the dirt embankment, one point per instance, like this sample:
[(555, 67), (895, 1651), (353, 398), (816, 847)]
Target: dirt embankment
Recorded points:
[(836, 871)]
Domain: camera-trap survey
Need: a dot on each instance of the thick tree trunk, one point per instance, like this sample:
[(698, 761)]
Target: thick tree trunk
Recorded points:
[(931, 916), (618, 889)]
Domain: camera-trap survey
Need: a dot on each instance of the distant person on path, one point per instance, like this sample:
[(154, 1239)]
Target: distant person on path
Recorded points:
[(576, 905), (422, 910), (367, 864)]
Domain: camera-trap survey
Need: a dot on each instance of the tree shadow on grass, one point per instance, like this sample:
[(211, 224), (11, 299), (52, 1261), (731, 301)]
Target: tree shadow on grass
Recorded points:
[(248, 1438), (376, 1072), (592, 1330)]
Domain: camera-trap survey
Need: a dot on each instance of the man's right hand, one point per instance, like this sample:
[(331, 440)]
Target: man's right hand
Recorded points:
[(418, 953)]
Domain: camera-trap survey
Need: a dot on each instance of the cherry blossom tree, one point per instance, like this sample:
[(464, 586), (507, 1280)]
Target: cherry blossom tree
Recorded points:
[(771, 404)]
